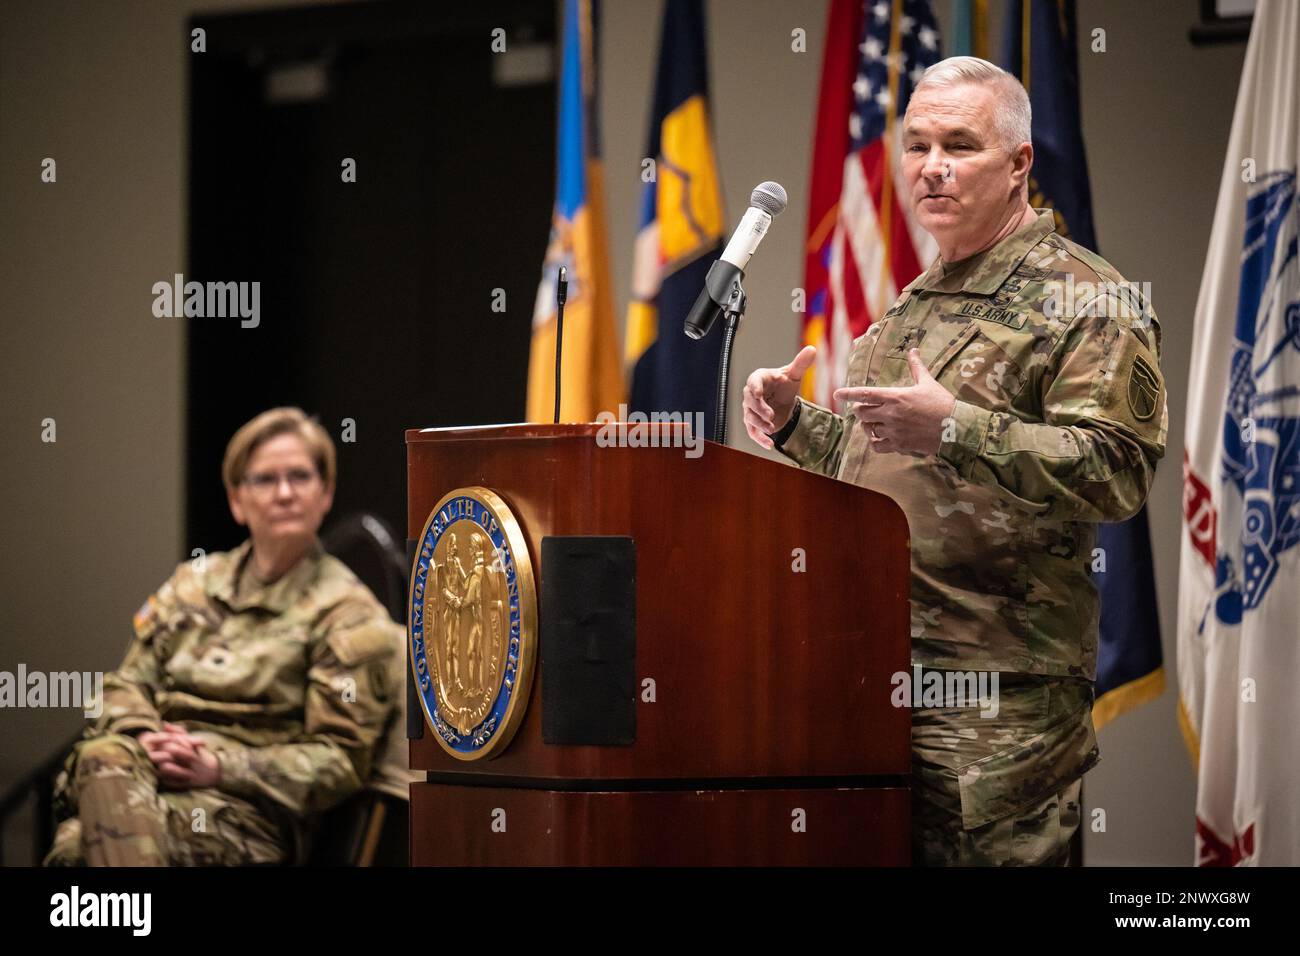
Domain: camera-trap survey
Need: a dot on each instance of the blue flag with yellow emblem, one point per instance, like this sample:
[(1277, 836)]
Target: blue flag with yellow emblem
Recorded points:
[(681, 231), (1040, 49)]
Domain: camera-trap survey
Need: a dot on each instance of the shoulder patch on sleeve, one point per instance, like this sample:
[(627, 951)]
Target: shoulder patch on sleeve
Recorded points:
[(1143, 389)]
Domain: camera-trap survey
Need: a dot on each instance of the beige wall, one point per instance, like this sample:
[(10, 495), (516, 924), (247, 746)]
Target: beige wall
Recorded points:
[(93, 523)]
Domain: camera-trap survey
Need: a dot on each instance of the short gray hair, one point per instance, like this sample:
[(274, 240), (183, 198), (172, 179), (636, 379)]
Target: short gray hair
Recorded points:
[(1013, 118)]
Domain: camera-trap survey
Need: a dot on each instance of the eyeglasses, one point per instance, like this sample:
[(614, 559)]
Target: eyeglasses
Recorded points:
[(264, 483)]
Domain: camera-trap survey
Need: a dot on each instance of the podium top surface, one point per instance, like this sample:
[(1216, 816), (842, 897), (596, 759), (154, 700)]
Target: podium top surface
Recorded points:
[(516, 430)]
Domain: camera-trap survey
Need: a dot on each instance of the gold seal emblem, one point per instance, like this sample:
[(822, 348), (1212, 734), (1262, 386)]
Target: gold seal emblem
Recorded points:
[(472, 623)]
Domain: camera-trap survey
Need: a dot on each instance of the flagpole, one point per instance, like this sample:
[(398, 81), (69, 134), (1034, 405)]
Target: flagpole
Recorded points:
[(1025, 36), (887, 163)]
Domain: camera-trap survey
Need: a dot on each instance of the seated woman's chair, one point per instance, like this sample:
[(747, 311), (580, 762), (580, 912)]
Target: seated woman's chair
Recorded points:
[(371, 828)]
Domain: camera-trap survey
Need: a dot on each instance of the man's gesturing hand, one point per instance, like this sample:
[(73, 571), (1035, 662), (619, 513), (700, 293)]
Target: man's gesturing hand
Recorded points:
[(908, 420), (770, 394)]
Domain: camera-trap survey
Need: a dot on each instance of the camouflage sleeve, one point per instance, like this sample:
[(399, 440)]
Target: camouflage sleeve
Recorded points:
[(129, 691), (817, 442), (349, 698), (1104, 425)]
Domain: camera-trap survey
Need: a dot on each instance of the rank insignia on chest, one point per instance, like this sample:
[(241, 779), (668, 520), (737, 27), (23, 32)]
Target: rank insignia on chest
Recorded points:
[(910, 339)]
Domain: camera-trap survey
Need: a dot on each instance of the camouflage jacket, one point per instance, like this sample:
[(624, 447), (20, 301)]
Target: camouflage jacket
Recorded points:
[(1059, 422), (290, 683)]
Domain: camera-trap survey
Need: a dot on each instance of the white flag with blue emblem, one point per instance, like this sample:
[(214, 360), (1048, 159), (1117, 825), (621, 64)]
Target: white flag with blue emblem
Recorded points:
[(1239, 594)]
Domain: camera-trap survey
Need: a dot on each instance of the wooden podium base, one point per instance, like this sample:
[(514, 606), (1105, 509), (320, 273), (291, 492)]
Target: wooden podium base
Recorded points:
[(490, 826)]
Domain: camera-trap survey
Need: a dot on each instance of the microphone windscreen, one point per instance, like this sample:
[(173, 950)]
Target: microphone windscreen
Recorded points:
[(769, 197)]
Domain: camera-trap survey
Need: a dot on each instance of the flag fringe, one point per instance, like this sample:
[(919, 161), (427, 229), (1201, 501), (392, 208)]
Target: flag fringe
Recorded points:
[(1119, 701), (1190, 737)]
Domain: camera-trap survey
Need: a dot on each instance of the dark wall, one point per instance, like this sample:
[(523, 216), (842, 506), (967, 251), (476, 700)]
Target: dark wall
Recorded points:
[(376, 296)]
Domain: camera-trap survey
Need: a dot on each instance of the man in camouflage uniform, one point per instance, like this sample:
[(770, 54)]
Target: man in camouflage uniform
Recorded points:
[(1008, 401), (254, 693)]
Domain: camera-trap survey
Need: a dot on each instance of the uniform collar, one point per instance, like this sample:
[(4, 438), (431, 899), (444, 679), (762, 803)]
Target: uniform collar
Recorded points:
[(984, 272), (277, 596)]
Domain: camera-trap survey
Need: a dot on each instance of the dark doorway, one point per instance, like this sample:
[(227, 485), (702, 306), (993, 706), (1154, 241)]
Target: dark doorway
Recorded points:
[(375, 296)]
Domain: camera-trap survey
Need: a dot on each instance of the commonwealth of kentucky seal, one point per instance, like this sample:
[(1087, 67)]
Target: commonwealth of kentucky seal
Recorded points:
[(472, 623)]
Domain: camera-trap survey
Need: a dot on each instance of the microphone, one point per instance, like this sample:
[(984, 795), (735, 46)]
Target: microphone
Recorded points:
[(561, 296), (720, 286)]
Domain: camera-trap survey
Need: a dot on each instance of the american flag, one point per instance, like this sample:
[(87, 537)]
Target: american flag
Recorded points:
[(863, 243)]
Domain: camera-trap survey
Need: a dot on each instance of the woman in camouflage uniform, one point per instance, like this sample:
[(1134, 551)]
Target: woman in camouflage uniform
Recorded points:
[(256, 688)]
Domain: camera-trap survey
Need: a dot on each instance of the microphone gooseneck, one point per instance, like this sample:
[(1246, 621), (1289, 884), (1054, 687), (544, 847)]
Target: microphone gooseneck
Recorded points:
[(561, 294)]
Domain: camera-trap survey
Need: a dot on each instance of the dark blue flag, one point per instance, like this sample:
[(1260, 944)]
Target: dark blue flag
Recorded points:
[(681, 230)]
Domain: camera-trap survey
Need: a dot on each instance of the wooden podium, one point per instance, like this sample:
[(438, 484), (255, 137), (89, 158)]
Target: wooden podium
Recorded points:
[(771, 610)]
